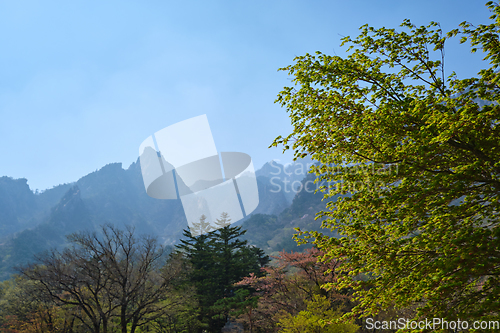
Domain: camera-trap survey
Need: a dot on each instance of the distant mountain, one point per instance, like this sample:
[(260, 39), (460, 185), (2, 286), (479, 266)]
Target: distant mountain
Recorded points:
[(274, 232), (68, 216), (286, 178), (20, 208), (30, 223)]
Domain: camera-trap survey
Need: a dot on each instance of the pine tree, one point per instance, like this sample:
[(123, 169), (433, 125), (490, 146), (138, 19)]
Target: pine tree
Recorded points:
[(219, 260)]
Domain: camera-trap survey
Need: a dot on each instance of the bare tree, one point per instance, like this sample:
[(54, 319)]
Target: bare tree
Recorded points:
[(112, 275)]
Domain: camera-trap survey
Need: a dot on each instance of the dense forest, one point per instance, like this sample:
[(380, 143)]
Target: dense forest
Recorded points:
[(117, 281)]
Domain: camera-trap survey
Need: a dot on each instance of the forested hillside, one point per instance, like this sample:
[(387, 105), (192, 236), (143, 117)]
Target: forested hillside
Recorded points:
[(34, 222)]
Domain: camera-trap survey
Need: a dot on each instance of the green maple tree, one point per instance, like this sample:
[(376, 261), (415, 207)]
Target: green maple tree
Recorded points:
[(415, 156)]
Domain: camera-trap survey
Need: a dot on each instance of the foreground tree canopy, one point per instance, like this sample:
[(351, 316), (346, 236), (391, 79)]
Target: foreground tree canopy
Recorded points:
[(416, 155)]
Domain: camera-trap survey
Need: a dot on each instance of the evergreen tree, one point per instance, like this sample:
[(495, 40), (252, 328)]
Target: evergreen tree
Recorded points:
[(219, 259)]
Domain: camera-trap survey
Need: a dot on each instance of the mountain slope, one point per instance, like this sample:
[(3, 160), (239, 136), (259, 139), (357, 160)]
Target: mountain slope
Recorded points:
[(111, 195), (68, 216), (275, 232), (20, 208)]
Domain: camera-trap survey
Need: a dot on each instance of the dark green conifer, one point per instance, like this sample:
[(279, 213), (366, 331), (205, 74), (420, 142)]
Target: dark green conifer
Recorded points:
[(219, 259)]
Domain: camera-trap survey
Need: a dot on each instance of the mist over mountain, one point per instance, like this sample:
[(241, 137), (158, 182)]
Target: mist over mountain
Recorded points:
[(31, 223), (274, 232), (20, 208), (286, 178)]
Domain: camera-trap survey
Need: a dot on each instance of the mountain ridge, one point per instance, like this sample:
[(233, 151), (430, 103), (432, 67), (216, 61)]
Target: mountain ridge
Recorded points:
[(110, 195)]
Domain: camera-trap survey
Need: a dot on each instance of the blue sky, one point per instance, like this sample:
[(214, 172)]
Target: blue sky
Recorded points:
[(83, 83)]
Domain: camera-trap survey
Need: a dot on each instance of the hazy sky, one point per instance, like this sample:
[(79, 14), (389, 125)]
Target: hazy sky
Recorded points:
[(83, 83)]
